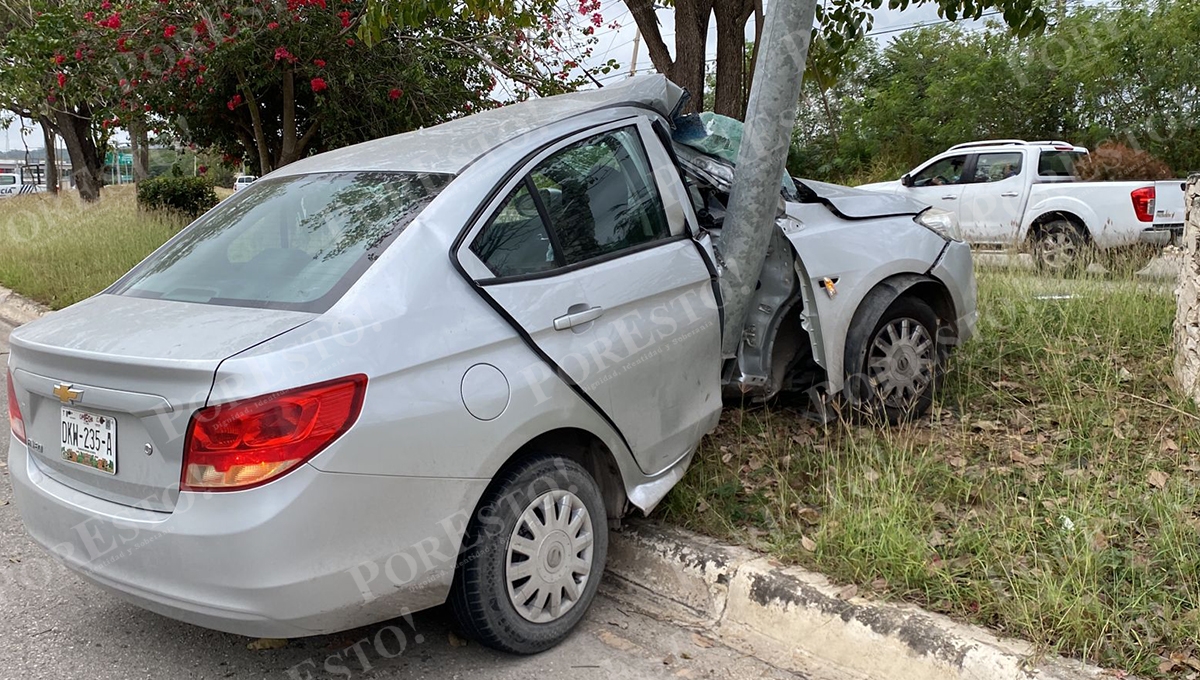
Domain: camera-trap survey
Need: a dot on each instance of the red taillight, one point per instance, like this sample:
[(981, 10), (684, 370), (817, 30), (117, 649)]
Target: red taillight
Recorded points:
[(14, 412), (246, 443), (1143, 203)]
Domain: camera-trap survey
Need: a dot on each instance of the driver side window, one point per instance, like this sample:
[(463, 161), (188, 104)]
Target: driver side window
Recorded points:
[(945, 171)]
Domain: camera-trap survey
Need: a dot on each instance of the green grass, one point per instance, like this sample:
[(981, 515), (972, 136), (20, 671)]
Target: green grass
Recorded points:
[(1052, 494), (58, 250)]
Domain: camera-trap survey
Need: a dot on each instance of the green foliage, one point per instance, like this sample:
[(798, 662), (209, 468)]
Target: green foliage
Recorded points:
[(1123, 73), (189, 196)]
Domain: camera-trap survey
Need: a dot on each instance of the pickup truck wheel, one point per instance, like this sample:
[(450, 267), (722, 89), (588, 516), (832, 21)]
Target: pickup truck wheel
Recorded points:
[(532, 557), (1060, 247), (1129, 260), (902, 363)]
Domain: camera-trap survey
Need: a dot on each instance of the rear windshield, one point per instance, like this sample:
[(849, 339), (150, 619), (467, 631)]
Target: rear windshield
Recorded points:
[(295, 243), (1058, 163)]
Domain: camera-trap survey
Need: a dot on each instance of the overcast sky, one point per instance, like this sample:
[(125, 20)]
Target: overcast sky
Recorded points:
[(614, 44)]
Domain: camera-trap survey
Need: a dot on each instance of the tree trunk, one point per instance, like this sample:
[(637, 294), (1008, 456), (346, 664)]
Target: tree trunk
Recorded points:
[(86, 165), (51, 154), (691, 43), (1187, 315), (731, 56), (139, 141)]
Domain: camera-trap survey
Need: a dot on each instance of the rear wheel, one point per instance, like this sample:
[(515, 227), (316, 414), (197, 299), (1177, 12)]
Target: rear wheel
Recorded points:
[(532, 557), (901, 363), (1060, 247)]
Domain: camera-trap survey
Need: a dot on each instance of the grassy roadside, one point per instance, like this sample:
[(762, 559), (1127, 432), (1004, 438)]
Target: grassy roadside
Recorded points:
[(1052, 495), (58, 250)]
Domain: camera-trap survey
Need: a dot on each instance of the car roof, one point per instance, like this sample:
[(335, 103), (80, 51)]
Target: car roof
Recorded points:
[(451, 146)]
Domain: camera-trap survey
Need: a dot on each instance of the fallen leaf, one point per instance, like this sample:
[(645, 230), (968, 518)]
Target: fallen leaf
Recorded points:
[(668, 659), (616, 641), (262, 644), (808, 544), (1169, 445), (701, 505), (957, 461), (1157, 479), (1123, 375), (809, 515), (702, 642), (871, 475), (985, 425), (455, 640), (936, 539), (847, 592)]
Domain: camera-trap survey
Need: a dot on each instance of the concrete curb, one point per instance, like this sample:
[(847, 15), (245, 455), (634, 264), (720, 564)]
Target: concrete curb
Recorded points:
[(799, 620), (16, 310)]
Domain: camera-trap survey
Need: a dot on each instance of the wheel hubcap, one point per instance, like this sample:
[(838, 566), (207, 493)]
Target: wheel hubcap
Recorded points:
[(549, 557), (901, 362), (1059, 250)]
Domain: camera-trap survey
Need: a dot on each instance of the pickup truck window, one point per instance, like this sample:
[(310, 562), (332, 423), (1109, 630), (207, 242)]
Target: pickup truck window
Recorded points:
[(945, 171), (994, 167), (8, 179), (1058, 163)]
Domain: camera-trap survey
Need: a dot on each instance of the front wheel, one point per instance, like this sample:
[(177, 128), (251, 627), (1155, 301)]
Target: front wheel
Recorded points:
[(901, 363), (532, 557)]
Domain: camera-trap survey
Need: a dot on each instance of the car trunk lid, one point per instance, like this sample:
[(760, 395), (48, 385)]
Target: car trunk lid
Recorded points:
[(133, 367)]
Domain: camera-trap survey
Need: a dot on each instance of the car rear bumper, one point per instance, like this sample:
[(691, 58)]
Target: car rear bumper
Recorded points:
[(1162, 234), (310, 553)]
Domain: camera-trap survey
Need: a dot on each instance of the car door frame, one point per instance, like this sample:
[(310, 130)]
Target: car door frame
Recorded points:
[(681, 220)]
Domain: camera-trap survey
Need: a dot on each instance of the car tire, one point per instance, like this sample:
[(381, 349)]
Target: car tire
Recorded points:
[(1061, 247), (519, 603), (1129, 260), (900, 363)]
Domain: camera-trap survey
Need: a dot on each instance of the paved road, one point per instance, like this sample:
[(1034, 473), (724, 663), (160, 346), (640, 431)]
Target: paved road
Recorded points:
[(54, 625)]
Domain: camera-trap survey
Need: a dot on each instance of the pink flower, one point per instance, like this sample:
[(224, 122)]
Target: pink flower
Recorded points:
[(78, 54), (319, 63), (62, 79), (59, 59), (89, 16), (169, 31), (350, 42), (318, 85), (273, 25), (395, 93), (113, 21), (344, 15), (282, 53)]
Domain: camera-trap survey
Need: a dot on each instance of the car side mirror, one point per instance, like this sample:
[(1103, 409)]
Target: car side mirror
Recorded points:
[(906, 180)]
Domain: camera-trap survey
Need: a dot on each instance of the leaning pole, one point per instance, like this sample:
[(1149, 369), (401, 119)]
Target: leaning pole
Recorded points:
[(770, 115)]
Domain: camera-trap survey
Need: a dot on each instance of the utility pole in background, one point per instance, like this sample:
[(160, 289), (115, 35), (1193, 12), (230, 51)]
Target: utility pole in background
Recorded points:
[(770, 115)]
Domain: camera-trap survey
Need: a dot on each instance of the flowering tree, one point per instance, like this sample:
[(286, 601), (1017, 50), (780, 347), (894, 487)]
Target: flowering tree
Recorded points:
[(274, 80)]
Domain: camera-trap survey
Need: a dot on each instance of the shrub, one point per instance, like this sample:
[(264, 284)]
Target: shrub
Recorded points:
[(1115, 162), (189, 196)]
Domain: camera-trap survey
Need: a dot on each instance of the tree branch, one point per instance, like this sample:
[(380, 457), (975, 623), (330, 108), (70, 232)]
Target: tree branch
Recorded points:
[(647, 23)]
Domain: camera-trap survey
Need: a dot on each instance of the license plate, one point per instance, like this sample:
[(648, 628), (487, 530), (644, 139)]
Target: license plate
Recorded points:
[(89, 440)]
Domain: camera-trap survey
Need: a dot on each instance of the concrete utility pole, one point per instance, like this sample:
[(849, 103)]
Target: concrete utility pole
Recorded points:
[(770, 116)]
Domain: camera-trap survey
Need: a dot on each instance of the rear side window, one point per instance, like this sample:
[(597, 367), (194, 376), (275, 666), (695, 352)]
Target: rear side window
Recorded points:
[(8, 180), (1058, 163), (996, 167), (515, 242), (294, 243)]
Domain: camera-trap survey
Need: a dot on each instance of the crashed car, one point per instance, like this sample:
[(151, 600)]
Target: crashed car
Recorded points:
[(435, 367)]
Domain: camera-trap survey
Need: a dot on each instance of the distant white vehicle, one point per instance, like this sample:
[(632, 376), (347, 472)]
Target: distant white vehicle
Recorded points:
[(16, 181), (243, 181), (1012, 192)]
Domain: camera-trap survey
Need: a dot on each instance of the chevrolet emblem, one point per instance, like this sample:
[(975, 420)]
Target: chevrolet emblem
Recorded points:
[(66, 394)]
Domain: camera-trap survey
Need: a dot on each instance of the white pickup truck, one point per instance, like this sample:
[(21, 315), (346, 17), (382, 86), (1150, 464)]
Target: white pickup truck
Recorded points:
[(1011, 193)]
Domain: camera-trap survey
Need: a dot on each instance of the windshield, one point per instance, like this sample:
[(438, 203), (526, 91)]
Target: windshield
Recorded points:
[(1059, 163), (295, 243)]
